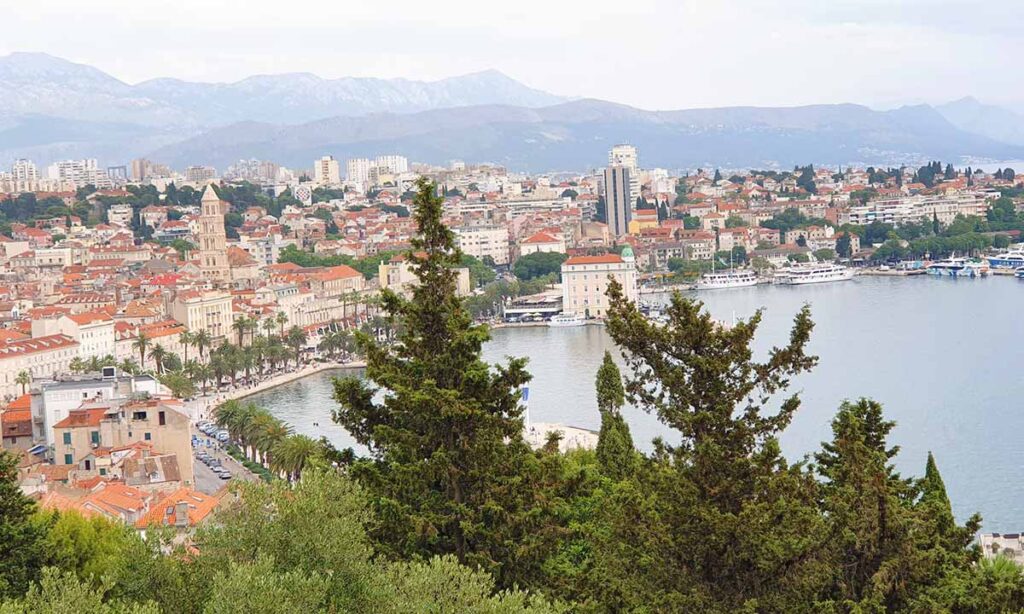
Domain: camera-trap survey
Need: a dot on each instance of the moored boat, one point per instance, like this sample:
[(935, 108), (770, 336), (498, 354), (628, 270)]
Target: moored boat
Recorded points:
[(1011, 259), (958, 267), (812, 274), (727, 279), (565, 319)]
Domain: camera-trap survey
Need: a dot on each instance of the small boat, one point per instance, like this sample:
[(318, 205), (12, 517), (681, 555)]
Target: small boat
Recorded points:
[(958, 267), (1012, 259), (801, 274), (564, 319), (1019, 273), (727, 279)]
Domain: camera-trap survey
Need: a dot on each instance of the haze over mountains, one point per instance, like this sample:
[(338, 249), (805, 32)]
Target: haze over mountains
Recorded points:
[(51, 108)]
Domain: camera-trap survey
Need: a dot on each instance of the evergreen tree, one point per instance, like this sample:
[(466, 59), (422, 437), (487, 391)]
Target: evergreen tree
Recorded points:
[(615, 452), (21, 540), (449, 471), (718, 176), (720, 521)]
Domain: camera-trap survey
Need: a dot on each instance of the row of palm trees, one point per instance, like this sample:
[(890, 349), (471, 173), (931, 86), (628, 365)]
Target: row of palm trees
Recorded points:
[(267, 440)]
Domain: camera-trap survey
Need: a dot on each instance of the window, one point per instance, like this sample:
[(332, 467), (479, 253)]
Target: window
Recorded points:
[(88, 465), (163, 418), (148, 436), (138, 415), (103, 472), (94, 437), (67, 438), (69, 459)]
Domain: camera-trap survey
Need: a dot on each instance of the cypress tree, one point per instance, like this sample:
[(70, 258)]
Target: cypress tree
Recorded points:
[(21, 540), (449, 471), (615, 452)]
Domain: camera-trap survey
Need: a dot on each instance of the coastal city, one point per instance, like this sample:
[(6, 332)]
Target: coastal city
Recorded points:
[(136, 297), (511, 308)]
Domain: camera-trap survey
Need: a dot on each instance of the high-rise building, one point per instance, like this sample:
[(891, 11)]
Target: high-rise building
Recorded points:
[(617, 199), (24, 170), (327, 171), (79, 172), (140, 169), (626, 155), (358, 169), (213, 252), (394, 164)]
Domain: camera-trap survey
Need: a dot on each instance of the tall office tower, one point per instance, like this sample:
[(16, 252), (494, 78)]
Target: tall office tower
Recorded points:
[(327, 171), (626, 155), (213, 251), (618, 206), (358, 169)]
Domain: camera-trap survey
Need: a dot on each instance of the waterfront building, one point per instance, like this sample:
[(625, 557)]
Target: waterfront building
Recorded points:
[(197, 310), (213, 253), (585, 281), (617, 201), (921, 208), (397, 275)]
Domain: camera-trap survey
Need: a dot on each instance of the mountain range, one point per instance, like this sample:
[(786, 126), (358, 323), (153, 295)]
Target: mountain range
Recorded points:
[(51, 108)]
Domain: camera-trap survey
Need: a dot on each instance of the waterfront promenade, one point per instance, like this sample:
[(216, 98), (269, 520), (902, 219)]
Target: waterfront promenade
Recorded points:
[(201, 407)]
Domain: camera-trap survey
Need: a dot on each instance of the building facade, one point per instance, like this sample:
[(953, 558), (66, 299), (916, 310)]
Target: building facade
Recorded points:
[(585, 282), (213, 251)]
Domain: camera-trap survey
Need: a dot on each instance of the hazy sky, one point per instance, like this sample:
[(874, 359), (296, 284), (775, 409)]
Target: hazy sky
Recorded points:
[(648, 53)]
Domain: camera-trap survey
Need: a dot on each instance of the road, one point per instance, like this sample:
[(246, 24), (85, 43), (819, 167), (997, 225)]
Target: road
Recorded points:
[(206, 480)]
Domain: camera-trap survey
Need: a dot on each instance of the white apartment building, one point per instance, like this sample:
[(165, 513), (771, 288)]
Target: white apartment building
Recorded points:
[(42, 357), (921, 208), (94, 332), (585, 281), (120, 214), (210, 311), (358, 169), (327, 172), (482, 241), (627, 156), (79, 172), (200, 174), (395, 165), (24, 170)]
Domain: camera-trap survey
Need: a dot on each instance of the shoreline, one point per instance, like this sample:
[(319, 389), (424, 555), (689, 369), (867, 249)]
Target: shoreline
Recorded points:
[(205, 404)]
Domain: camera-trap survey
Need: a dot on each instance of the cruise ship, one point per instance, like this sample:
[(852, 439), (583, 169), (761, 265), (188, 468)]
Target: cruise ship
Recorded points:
[(564, 319), (727, 279), (812, 274), (1012, 259), (958, 267)]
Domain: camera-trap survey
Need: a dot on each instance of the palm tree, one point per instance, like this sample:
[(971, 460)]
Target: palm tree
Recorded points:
[(202, 372), (24, 378), (201, 339), (281, 320), (293, 454), (295, 340), (141, 344), (77, 365), (158, 354), (270, 439), (240, 326), (269, 325), (129, 366), (186, 338), (255, 430)]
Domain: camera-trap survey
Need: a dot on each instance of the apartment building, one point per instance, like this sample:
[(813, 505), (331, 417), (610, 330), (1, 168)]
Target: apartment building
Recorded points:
[(198, 310), (327, 172), (922, 208), (585, 281), (484, 241), (41, 357)]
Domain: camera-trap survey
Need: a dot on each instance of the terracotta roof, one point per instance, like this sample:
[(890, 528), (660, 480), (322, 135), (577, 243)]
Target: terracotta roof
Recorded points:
[(88, 317), (199, 507), (22, 402), (602, 259), (541, 237), (38, 344), (342, 271), (83, 417)]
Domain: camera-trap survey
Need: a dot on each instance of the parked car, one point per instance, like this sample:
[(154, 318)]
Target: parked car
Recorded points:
[(225, 475), (222, 436)]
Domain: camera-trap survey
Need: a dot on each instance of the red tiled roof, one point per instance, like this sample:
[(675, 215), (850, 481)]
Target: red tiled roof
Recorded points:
[(602, 259), (82, 417)]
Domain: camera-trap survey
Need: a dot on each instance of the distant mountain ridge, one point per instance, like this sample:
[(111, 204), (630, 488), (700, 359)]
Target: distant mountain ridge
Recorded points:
[(577, 135), (51, 108)]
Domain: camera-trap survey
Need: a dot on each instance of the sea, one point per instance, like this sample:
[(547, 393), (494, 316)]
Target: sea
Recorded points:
[(944, 356)]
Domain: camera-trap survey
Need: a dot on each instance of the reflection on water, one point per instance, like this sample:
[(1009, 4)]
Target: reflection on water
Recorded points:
[(942, 355)]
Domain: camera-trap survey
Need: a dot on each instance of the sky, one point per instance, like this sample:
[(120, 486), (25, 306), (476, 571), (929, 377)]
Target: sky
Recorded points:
[(653, 54)]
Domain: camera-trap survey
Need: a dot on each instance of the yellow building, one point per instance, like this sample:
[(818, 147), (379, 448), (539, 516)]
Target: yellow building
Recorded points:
[(213, 251), (210, 311)]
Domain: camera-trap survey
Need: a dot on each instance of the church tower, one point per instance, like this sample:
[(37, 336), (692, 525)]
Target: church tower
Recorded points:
[(213, 250)]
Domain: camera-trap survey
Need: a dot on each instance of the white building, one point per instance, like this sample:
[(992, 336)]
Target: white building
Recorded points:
[(627, 156), (327, 172), (395, 165), (585, 281), (358, 169), (41, 357), (922, 208), (24, 170), (120, 214), (483, 241), (200, 174)]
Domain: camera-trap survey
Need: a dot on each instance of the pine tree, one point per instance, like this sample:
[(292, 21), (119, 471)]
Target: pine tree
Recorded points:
[(21, 540), (615, 452), (449, 471)]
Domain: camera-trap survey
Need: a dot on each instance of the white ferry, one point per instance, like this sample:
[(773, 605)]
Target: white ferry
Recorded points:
[(958, 267), (727, 279), (564, 319), (1012, 259), (813, 274), (1019, 273)]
